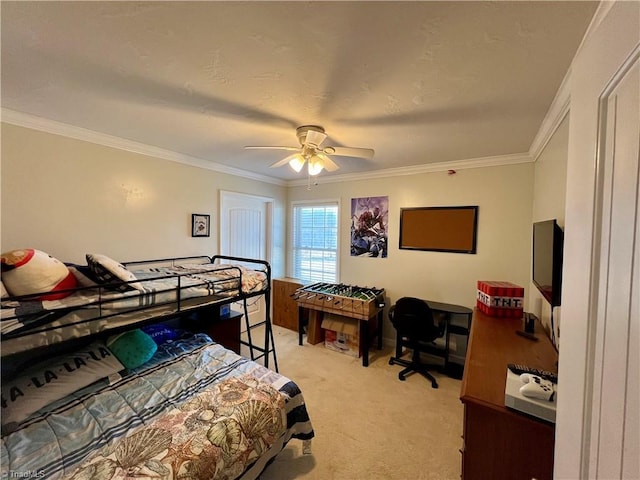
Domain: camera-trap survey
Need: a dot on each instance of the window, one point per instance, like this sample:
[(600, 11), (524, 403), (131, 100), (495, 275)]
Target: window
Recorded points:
[(315, 242)]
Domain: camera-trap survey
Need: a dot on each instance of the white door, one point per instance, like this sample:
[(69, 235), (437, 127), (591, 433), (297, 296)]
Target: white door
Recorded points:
[(614, 412), (598, 422), (245, 231)]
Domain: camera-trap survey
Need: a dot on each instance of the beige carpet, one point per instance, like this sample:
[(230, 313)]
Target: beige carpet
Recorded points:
[(368, 424)]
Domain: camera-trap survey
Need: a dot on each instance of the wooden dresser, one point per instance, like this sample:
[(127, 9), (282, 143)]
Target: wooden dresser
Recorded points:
[(285, 308), (499, 443)]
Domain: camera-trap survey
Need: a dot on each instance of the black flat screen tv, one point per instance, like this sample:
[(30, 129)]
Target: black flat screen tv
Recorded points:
[(548, 240)]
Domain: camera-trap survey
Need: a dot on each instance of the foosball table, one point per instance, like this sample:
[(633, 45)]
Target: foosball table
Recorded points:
[(361, 303)]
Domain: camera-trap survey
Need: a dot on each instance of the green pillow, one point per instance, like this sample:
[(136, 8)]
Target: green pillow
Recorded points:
[(133, 348)]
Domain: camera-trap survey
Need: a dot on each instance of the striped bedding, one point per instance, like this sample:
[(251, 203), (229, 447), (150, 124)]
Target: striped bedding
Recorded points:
[(196, 410), (91, 310)]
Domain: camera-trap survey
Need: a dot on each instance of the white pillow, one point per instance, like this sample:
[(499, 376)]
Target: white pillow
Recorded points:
[(54, 379), (112, 273), (3, 291)]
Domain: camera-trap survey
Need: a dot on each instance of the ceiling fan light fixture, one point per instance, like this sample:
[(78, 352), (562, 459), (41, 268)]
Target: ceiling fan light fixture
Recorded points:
[(297, 162), (310, 151), (315, 165)]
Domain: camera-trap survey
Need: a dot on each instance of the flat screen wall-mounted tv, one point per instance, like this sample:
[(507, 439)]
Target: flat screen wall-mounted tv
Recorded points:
[(548, 240)]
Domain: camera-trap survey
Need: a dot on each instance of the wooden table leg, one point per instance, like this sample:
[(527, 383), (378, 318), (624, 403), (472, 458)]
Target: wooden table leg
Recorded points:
[(365, 342), (315, 334), (300, 324)]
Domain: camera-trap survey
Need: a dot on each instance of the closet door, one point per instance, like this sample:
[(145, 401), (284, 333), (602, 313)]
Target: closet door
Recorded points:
[(245, 231)]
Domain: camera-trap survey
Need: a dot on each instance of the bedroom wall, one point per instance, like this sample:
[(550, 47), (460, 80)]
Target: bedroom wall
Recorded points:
[(549, 191), (504, 195), (69, 197)]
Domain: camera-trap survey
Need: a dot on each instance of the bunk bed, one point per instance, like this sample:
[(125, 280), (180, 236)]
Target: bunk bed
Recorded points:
[(154, 290), (192, 409)]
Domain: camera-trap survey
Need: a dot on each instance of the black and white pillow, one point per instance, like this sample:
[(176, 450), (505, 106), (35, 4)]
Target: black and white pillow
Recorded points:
[(112, 273)]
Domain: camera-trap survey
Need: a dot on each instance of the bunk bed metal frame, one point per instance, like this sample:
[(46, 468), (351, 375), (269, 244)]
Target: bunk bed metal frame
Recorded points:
[(268, 346), (175, 308)]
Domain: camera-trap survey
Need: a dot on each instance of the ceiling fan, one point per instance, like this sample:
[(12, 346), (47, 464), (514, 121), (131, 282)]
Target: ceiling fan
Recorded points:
[(310, 152)]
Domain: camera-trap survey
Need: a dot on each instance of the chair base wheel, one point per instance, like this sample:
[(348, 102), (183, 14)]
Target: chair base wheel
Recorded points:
[(413, 367)]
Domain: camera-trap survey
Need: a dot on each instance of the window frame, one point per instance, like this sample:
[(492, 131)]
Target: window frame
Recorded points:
[(312, 203)]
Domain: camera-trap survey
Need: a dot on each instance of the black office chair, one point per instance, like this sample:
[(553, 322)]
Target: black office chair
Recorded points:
[(416, 329)]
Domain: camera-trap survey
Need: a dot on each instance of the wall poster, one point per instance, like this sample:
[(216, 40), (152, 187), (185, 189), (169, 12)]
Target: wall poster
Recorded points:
[(369, 221)]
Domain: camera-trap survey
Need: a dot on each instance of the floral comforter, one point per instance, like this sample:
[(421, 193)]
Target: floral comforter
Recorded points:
[(196, 411)]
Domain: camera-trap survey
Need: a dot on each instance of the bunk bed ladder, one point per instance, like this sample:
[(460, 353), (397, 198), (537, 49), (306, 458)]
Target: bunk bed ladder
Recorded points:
[(269, 344)]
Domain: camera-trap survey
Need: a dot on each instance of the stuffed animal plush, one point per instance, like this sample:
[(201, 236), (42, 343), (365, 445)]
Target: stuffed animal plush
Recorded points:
[(30, 271)]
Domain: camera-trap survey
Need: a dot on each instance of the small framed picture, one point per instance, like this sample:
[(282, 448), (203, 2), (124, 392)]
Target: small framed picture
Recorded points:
[(200, 225)]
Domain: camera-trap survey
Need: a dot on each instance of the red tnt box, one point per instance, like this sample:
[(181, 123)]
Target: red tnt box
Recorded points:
[(500, 299)]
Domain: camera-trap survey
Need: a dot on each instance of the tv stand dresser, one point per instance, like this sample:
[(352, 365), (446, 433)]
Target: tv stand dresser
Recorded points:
[(499, 443)]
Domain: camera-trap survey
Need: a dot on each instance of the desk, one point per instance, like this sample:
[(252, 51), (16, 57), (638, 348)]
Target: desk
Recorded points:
[(499, 443), (450, 311)]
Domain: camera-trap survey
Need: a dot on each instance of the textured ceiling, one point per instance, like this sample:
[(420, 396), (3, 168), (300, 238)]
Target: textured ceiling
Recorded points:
[(419, 82)]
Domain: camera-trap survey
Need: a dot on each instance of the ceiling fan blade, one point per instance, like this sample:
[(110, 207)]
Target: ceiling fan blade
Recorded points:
[(284, 161), (350, 152), (329, 165), (261, 147), (314, 138)]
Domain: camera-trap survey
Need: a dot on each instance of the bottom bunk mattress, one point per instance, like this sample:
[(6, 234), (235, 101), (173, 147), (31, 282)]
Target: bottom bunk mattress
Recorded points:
[(195, 411)]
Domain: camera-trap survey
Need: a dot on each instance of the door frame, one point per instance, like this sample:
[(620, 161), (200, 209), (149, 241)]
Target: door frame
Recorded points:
[(610, 45)]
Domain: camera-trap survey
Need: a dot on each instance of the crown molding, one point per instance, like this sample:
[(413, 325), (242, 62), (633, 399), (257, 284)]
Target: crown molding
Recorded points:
[(555, 115), (561, 104), (21, 119), (495, 161), (58, 128)]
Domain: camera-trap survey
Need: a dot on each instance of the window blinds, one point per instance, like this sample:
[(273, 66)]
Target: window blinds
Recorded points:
[(315, 242)]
